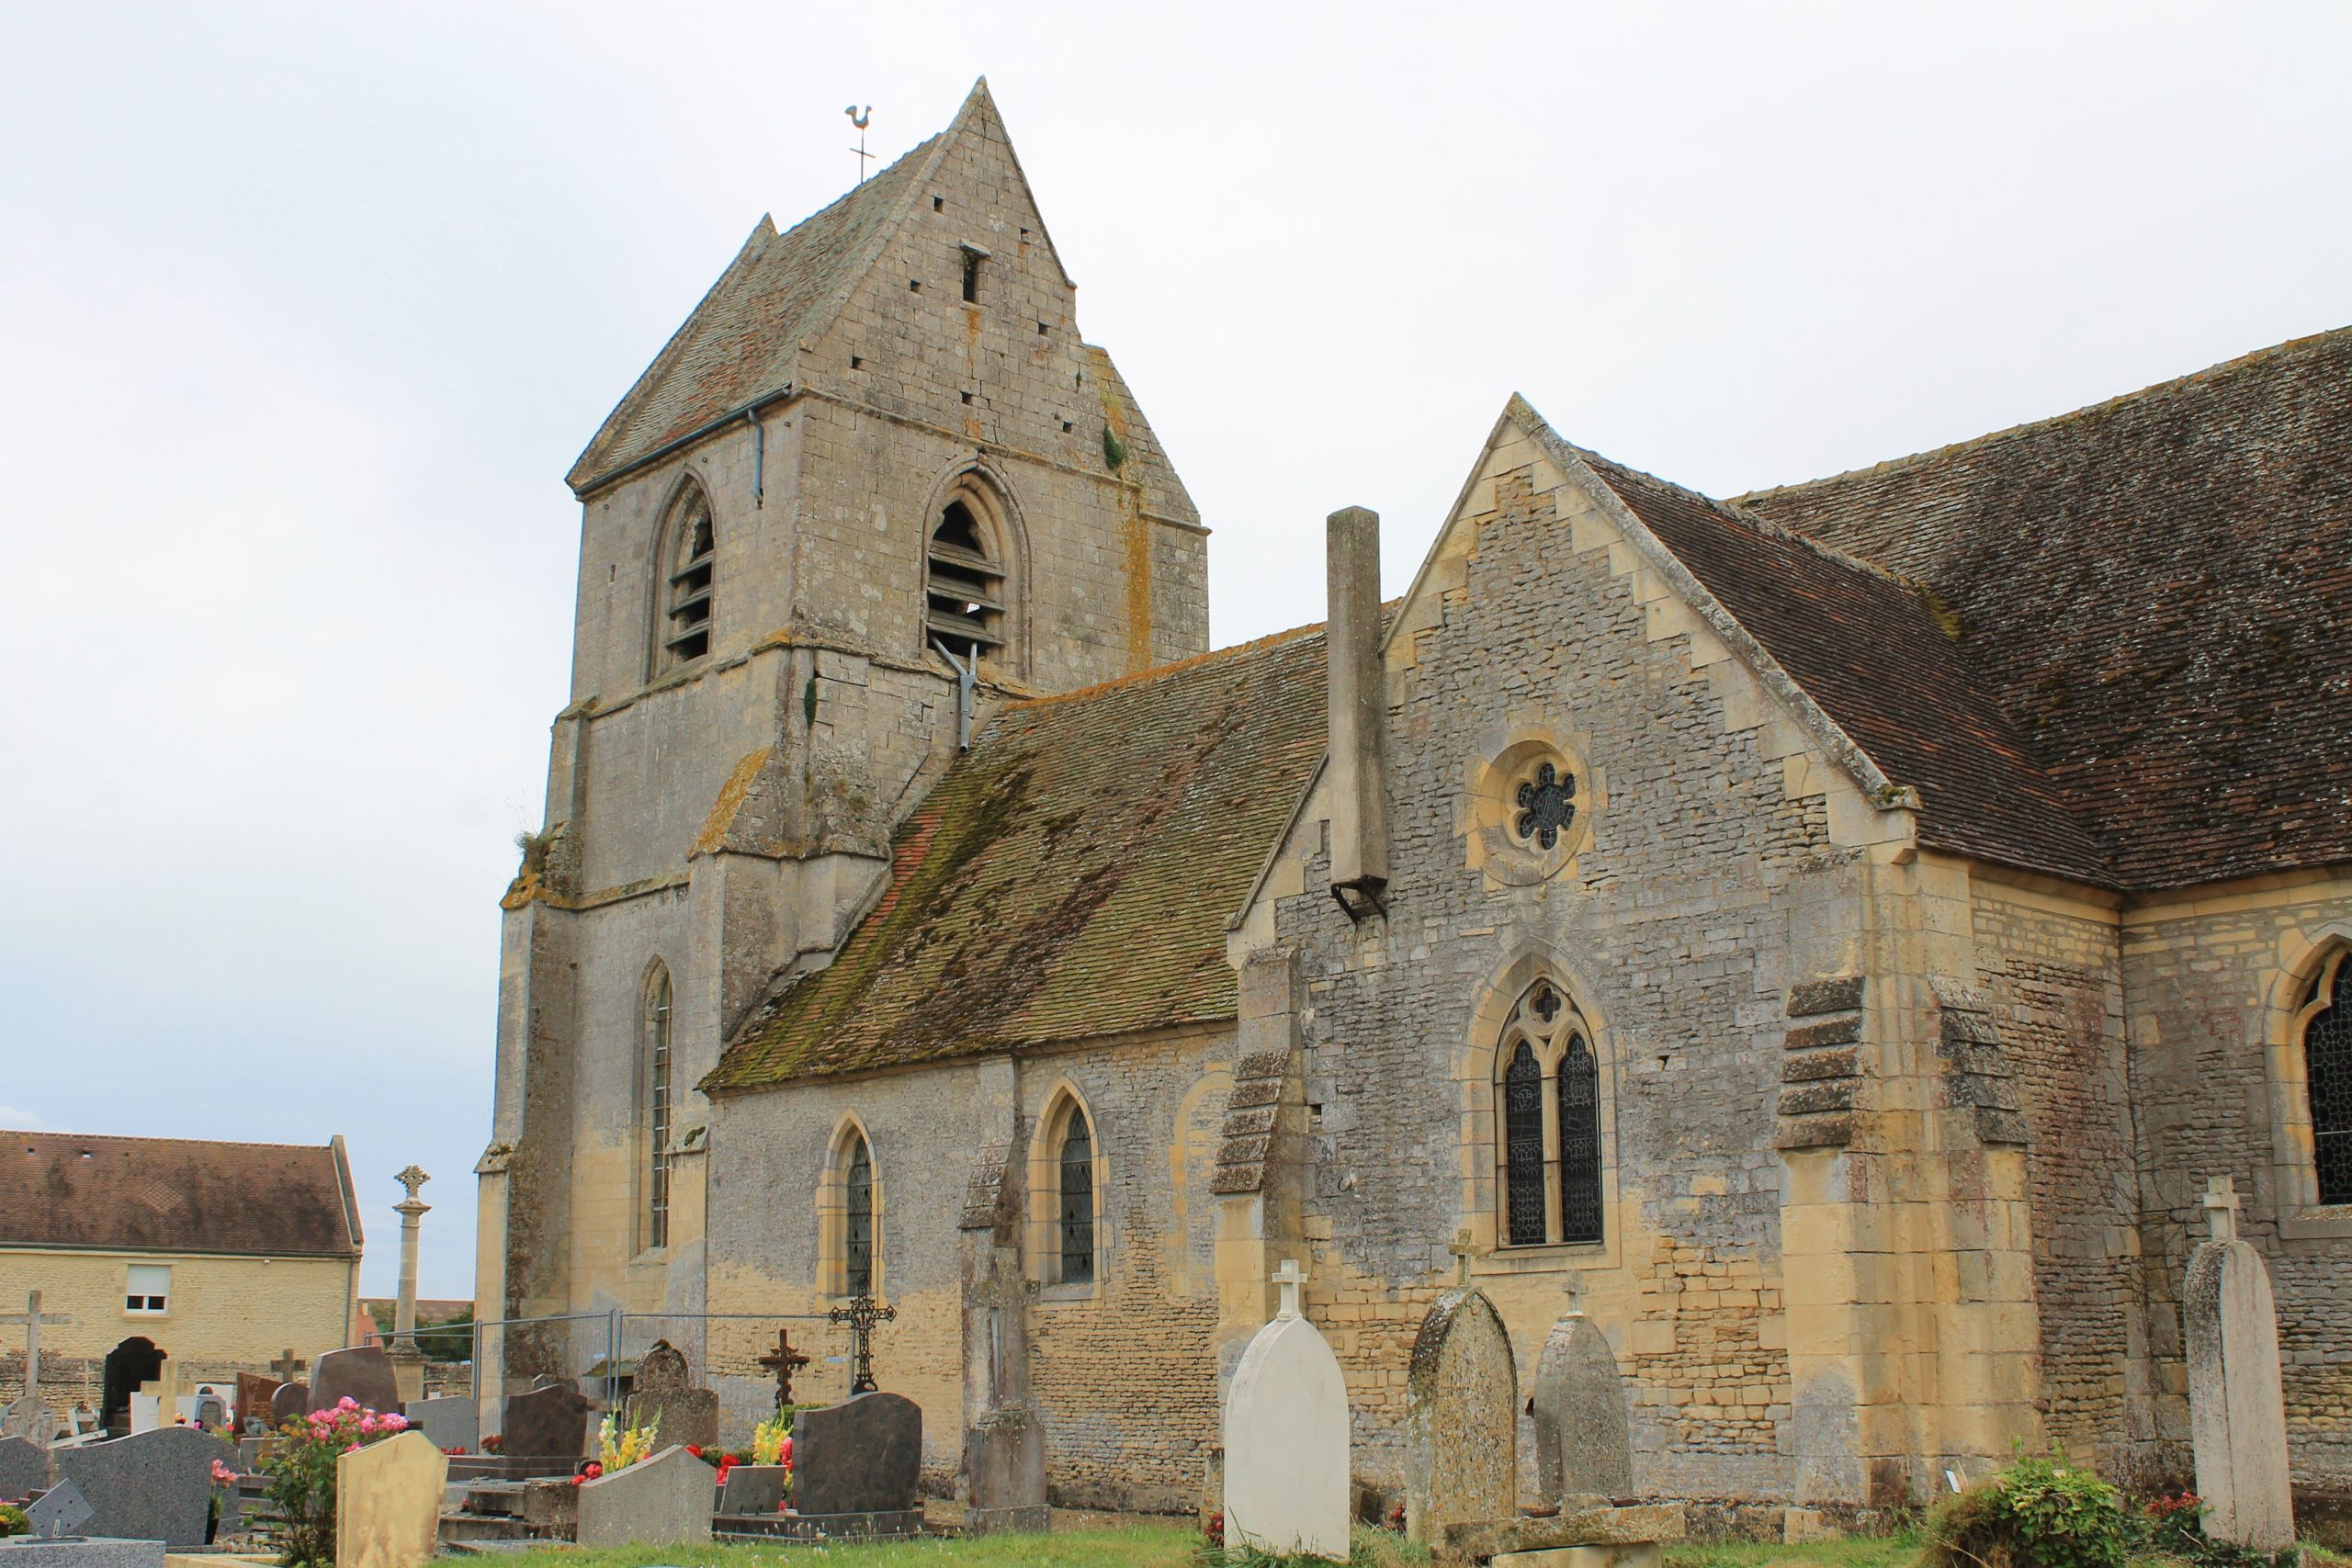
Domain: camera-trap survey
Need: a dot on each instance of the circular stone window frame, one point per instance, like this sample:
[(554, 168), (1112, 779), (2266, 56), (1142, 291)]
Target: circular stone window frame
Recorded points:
[(1492, 806)]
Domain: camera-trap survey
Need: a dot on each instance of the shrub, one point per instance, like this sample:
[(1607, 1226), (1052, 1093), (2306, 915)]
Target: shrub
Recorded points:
[(13, 1520), (2037, 1513), (300, 1497)]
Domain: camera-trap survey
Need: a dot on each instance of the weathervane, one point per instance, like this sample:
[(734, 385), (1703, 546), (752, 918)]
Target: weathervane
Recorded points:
[(859, 118)]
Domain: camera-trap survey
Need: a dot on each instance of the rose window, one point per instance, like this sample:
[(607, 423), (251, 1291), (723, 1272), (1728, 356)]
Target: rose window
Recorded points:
[(1546, 804)]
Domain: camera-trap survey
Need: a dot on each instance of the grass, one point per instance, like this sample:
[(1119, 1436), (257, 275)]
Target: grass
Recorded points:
[(1140, 1545), (1858, 1551)]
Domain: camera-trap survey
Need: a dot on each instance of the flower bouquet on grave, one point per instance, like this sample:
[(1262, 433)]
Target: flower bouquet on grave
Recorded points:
[(619, 1446), (300, 1497)]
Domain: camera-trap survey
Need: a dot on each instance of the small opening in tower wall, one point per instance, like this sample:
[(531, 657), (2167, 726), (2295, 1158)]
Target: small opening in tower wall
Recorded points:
[(693, 567), (971, 276), (1041, 329), (939, 204), (914, 286), (856, 362), (964, 600), (967, 397)]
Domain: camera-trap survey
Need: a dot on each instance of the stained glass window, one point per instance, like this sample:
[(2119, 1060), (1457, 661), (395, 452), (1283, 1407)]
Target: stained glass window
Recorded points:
[(1580, 1097), (1523, 1147), (858, 1278), (2327, 1058), (1077, 1201), (1546, 805)]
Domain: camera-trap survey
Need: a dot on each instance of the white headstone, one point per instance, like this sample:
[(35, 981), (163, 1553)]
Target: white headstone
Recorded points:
[(1287, 1438), (146, 1413), (2237, 1416)]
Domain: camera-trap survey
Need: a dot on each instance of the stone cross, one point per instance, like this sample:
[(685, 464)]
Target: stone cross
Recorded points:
[(1574, 1285), (2222, 1208), (288, 1365), (783, 1361), (861, 1314), (32, 1317), (1290, 1277), (1462, 1251)]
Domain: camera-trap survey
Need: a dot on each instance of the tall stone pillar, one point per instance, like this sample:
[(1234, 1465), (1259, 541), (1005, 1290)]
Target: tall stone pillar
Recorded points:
[(408, 1361), (2237, 1413)]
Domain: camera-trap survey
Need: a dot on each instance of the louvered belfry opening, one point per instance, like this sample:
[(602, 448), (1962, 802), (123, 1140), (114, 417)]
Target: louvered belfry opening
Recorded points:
[(693, 561), (965, 593)]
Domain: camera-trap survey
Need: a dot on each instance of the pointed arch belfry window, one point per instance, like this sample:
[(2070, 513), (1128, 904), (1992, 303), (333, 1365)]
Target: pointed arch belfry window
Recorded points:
[(2327, 1069), (690, 577), (967, 570), (1551, 1170)]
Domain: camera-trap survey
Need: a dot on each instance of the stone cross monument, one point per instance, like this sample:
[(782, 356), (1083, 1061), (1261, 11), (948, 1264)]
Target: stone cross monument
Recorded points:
[(29, 1418), (2237, 1417), (408, 1361)]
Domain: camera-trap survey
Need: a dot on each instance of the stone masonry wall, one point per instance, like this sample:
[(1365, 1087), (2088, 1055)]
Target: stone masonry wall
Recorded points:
[(2209, 982)]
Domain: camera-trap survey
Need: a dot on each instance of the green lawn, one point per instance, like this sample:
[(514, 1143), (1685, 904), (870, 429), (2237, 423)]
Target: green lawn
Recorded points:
[(1139, 1545)]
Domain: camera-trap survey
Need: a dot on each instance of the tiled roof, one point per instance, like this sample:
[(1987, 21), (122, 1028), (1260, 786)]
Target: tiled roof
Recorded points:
[(176, 1195), (741, 340), (1069, 878), (1871, 652), (2159, 588)]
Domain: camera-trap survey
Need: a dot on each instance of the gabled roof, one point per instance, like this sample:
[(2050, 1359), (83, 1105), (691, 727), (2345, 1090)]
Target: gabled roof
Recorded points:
[(68, 1189), (1070, 877), (739, 345), (1869, 649), (2159, 591)]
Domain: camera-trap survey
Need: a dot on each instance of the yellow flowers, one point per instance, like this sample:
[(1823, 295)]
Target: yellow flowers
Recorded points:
[(769, 1438), (620, 1445)]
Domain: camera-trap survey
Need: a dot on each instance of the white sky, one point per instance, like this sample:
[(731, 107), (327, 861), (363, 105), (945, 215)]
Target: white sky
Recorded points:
[(304, 311)]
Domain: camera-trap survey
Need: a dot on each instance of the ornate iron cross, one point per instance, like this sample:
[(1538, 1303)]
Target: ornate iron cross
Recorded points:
[(861, 1314), (783, 1361)]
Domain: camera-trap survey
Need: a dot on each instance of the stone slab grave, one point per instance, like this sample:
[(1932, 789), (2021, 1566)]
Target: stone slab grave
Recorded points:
[(23, 1469), (1584, 1443), (1285, 1429), (664, 1396), (388, 1500), (449, 1420), (855, 1467), (363, 1373), (291, 1402), (1461, 1415), (659, 1501), (751, 1489), (150, 1486), (546, 1429), (2237, 1418), (1576, 1538), (57, 1540)]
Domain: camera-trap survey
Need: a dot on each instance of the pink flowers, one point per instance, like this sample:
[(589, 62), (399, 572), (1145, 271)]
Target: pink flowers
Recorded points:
[(222, 1475)]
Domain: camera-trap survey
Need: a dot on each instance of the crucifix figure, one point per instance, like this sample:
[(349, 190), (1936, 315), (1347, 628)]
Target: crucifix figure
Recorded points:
[(2222, 1208), (783, 1361), (861, 1314), (1462, 1251), (1290, 1277), (32, 1317), (289, 1366)]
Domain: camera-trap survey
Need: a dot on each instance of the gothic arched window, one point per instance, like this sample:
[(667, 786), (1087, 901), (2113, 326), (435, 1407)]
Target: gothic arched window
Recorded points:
[(2328, 1072), (658, 1109), (963, 586), (690, 572), (1077, 1194), (1551, 1176), (857, 1275)]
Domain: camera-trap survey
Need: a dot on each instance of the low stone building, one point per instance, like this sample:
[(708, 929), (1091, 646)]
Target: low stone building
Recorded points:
[(171, 1261), (1839, 928)]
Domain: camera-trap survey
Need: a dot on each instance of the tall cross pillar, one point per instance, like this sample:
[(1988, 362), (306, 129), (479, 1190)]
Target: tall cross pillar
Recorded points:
[(408, 1361)]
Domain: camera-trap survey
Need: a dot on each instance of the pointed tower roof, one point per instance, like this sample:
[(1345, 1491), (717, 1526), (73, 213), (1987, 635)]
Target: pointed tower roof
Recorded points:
[(737, 348)]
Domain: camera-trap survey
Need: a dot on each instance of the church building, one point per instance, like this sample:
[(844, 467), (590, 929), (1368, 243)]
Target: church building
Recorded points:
[(1829, 936)]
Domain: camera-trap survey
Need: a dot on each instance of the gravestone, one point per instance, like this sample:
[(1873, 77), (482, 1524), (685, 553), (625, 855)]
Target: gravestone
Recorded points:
[(363, 1373), (151, 1487), (449, 1420), (2238, 1417), (291, 1402), (1285, 1428), (24, 1468), (255, 1392), (665, 1397), (387, 1502), (659, 1501), (30, 1418), (751, 1489), (862, 1456), (1460, 1418), (546, 1423), (211, 1412), (1584, 1442), (62, 1511)]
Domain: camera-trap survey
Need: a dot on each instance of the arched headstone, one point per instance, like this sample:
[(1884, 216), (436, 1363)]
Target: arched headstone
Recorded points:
[(1460, 1418), (2238, 1417), (1286, 1438), (1584, 1443)]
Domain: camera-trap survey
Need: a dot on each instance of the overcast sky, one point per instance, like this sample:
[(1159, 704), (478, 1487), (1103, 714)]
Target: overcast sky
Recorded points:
[(304, 311)]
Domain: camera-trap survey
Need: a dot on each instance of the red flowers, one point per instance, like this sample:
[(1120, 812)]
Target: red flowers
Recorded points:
[(588, 1472)]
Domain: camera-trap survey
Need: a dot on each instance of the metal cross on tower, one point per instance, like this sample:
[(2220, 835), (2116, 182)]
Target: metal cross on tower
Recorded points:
[(861, 1314), (783, 1361)]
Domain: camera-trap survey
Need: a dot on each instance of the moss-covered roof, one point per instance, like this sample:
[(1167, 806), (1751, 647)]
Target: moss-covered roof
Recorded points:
[(1069, 878)]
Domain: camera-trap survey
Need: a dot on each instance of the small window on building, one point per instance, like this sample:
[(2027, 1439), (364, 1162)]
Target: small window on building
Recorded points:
[(1077, 1192), (690, 577), (2327, 1066), (658, 1112), (964, 598), (858, 1205), (147, 1290), (1523, 1147), (972, 259)]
